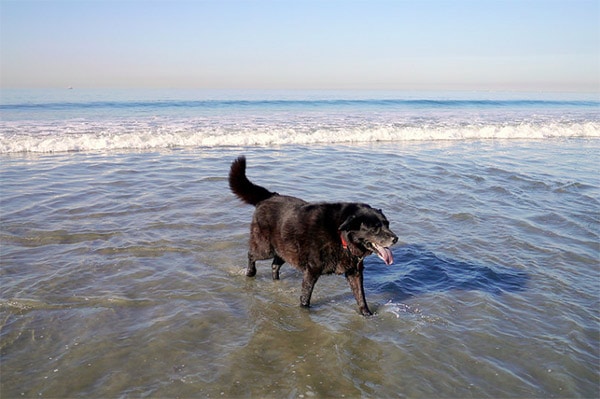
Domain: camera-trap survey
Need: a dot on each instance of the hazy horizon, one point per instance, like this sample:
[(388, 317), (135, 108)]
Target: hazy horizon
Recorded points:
[(463, 45)]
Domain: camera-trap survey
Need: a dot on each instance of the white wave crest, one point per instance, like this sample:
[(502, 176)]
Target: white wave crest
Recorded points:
[(86, 136)]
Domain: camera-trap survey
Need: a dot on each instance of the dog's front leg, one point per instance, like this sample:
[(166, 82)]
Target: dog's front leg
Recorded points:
[(308, 284), (355, 279)]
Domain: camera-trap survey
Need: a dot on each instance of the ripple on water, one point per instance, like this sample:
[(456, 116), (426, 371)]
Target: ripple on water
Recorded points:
[(124, 275)]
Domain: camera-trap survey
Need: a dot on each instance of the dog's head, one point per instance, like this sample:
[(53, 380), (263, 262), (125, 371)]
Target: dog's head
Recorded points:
[(366, 230)]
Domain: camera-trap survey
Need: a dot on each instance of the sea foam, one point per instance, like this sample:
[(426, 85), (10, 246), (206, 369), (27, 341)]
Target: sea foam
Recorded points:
[(144, 135), (46, 123)]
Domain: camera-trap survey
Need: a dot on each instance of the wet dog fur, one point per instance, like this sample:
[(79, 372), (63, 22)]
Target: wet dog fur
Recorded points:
[(316, 238)]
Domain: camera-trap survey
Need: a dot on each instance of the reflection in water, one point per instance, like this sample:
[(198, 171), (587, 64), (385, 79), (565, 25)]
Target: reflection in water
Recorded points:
[(421, 271)]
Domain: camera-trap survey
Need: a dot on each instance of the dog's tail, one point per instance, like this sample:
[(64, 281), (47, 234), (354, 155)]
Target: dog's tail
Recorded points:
[(243, 188)]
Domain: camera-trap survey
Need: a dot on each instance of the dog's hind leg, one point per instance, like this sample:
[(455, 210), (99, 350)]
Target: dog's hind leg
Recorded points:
[(275, 266), (355, 279), (308, 284), (262, 254), (251, 270)]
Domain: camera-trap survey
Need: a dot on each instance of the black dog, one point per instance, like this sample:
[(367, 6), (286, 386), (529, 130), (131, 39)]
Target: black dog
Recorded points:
[(317, 238)]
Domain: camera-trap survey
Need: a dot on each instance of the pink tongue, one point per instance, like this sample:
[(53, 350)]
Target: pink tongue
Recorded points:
[(385, 254)]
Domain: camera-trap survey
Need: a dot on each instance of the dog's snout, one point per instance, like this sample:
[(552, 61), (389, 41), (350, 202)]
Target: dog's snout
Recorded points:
[(394, 239)]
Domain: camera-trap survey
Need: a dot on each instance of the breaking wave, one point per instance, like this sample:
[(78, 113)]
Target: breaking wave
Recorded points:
[(41, 122), (144, 135)]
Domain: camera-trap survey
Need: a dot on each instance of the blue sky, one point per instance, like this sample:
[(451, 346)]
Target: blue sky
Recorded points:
[(402, 45)]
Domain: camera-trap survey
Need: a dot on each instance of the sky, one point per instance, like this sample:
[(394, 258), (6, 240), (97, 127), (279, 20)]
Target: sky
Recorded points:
[(514, 45)]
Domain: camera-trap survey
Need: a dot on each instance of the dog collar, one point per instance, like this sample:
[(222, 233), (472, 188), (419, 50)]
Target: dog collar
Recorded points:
[(344, 242), (345, 246)]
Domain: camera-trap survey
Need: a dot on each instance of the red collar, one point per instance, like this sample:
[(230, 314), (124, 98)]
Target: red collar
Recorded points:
[(344, 242)]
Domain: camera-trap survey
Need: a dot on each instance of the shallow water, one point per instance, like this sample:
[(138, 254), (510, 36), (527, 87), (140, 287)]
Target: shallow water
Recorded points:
[(123, 275)]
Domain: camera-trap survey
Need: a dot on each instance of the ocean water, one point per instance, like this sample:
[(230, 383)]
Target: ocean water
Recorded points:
[(99, 120), (123, 253)]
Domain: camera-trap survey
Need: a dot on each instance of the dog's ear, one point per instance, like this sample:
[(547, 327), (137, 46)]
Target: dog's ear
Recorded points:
[(349, 224), (348, 241), (348, 233)]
